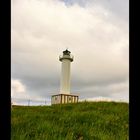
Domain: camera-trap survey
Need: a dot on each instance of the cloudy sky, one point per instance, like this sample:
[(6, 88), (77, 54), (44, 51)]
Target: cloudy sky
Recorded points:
[(95, 31)]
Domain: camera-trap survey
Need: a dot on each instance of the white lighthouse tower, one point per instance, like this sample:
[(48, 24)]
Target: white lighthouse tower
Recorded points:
[(66, 60), (64, 96)]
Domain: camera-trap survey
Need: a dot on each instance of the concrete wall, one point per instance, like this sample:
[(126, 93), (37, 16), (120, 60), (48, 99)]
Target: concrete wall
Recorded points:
[(64, 98)]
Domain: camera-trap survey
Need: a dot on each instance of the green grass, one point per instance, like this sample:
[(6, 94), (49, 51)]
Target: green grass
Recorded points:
[(81, 121)]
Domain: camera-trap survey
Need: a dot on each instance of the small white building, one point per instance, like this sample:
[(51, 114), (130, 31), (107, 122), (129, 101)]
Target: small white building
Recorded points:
[(64, 96)]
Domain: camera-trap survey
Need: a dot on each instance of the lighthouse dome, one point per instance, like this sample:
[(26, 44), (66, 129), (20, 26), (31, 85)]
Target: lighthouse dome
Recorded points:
[(66, 52)]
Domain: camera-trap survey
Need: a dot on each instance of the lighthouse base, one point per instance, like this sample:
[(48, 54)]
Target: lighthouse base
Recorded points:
[(64, 99)]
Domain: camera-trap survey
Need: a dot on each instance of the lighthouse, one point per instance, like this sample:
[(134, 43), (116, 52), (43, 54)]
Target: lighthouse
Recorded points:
[(65, 95), (66, 60)]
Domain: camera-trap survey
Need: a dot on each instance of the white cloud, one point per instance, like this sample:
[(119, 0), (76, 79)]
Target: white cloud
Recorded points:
[(17, 88), (96, 36)]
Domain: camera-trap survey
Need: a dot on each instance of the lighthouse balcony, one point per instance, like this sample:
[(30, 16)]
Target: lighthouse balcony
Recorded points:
[(69, 57)]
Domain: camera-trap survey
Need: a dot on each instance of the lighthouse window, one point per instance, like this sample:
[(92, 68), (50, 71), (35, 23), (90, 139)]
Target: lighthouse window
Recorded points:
[(69, 98), (55, 97)]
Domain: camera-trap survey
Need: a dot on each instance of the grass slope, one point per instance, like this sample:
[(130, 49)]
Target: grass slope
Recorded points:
[(81, 121)]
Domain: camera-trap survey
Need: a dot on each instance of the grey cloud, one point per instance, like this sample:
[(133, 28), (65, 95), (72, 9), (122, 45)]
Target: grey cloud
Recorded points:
[(41, 30), (117, 7)]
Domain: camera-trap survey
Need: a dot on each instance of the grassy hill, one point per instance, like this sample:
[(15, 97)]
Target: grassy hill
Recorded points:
[(81, 121)]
